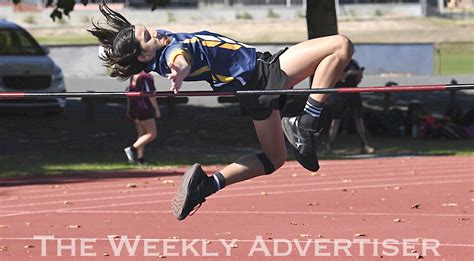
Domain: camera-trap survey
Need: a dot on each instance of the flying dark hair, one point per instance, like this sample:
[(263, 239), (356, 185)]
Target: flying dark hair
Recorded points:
[(120, 48)]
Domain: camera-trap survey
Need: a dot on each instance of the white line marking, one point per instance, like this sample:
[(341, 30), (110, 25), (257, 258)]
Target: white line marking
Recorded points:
[(266, 186), (267, 181), (341, 166), (270, 213), (241, 195)]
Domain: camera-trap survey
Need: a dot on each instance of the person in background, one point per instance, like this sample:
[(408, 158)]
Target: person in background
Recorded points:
[(143, 111), (352, 102)]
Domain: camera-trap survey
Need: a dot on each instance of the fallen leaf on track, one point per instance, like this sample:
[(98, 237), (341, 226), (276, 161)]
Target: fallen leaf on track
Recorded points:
[(360, 235), (398, 220), (416, 206), (131, 185), (73, 226)]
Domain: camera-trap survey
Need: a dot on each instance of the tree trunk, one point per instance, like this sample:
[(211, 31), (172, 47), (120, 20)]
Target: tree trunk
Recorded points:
[(321, 18)]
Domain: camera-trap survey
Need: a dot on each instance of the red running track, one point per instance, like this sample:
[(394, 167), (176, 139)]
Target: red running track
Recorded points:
[(365, 209)]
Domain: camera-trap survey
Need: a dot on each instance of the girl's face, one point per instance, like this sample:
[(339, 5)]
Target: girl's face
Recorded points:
[(148, 41)]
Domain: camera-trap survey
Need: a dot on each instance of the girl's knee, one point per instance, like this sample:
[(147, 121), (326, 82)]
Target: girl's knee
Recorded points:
[(346, 47), (272, 162)]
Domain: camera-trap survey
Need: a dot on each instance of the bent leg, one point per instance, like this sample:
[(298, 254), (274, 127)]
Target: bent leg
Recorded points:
[(272, 142), (325, 57)]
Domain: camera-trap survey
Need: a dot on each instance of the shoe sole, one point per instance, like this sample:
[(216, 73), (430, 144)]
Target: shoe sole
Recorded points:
[(129, 157), (299, 157), (181, 197), (286, 131)]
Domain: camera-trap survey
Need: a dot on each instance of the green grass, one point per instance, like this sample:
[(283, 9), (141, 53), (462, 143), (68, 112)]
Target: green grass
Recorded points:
[(73, 39), (349, 145), (59, 160), (455, 58)]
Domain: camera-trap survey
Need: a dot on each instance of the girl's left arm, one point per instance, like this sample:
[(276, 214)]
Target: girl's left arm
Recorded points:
[(180, 68), (154, 103)]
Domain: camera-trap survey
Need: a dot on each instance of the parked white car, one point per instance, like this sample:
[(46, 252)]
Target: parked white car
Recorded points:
[(26, 67)]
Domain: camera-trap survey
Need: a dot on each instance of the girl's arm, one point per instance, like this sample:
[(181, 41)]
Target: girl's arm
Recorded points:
[(150, 87), (154, 103), (180, 68)]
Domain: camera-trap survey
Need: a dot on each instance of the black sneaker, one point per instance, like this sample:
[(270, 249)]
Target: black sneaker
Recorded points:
[(191, 194), (131, 154), (302, 141)]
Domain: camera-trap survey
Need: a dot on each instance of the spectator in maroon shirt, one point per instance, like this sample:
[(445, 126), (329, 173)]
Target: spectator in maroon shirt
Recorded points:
[(143, 111)]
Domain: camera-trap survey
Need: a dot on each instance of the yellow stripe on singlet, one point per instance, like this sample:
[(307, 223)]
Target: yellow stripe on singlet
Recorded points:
[(200, 70), (210, 43), (222, 78), (230, 46), (182, 52)]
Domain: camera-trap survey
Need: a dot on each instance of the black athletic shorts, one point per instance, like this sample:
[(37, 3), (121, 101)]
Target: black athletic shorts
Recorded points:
[(267, 76)]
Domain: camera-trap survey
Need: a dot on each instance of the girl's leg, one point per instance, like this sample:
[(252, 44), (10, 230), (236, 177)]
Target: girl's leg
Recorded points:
[(360, 127), (272, 142), (333, 130), (325, 57), (197, 185), (147, 129)]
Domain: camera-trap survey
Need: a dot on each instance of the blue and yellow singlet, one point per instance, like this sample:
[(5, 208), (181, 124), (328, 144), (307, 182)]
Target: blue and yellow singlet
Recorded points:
[(223, 62)]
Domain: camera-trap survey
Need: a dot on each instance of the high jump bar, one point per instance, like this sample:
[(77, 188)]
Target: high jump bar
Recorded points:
[(372, 89)]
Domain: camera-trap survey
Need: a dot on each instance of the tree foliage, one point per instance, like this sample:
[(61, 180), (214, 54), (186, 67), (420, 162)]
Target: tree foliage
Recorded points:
[(64, 7)]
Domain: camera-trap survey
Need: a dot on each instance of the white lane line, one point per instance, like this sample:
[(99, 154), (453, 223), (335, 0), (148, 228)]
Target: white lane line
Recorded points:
[(267, 182), (340, 167), (319, 213), (240, 195), (266, 186)]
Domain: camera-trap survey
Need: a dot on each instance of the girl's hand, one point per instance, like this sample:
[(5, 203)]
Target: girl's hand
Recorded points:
[(176, 78), (157, 113), (179, 70)]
